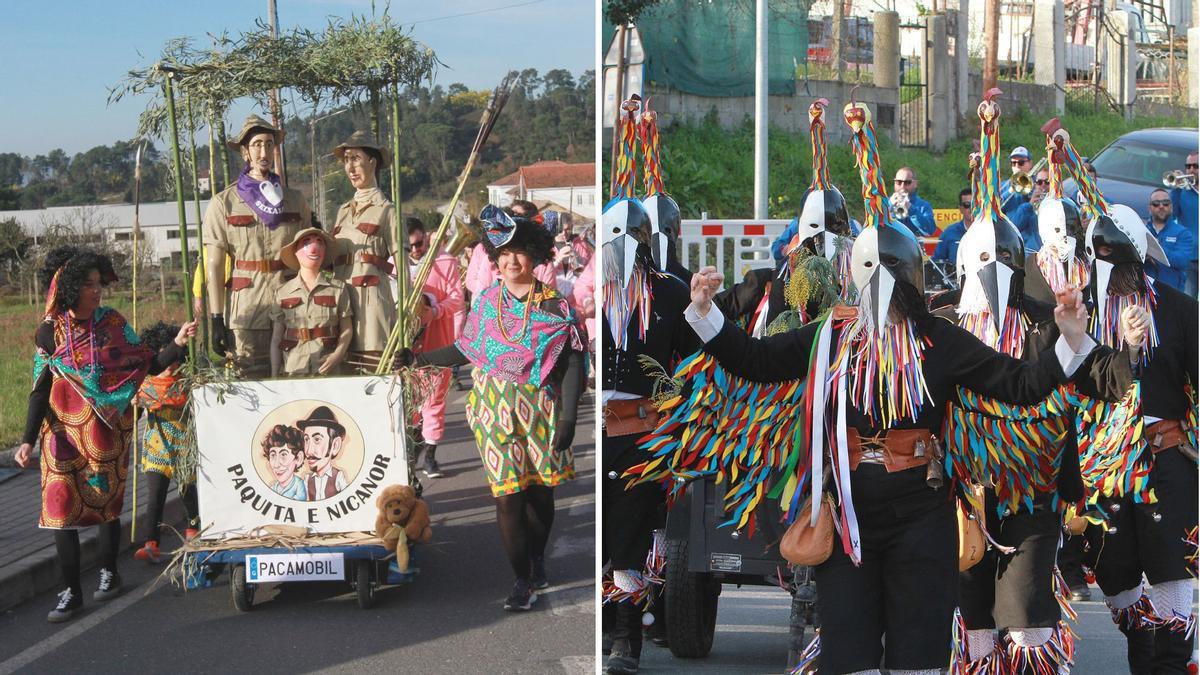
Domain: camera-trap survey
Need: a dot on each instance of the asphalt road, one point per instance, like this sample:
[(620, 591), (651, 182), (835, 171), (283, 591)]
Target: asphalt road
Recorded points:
[(449, 620), (752, 637)]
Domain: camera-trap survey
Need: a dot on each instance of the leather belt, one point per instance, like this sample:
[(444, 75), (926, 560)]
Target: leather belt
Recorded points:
[(263, 266), (372, 259), (305, 334), (1165, 434), (896, 449), (623, 417)]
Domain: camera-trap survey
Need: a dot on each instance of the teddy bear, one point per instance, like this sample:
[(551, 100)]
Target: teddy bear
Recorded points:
[(402, 519)]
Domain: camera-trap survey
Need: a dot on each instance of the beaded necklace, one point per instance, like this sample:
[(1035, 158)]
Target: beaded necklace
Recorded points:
[(504, 292)]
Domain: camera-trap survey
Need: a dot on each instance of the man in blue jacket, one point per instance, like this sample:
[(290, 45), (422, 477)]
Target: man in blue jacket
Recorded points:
[(947, 246), (1019, 160), (920, 213), (1176, 240), (1025, 215), (1185, 206)]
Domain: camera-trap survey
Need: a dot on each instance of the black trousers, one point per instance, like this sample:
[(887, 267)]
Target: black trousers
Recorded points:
[(1147, 538), (628, 516), (1014, 590), (905, 589)]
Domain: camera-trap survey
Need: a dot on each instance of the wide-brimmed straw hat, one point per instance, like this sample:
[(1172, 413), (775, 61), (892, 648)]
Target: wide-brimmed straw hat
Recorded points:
[(255, 123), (361, 139), (288, 253)]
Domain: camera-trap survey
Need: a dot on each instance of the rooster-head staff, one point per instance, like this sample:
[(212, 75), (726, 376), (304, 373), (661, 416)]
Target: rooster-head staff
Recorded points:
[(857, 116), (816, 112), (989, 108)]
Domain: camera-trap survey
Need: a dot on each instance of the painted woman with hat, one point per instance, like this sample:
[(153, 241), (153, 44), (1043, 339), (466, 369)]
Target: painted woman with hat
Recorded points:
[(313, 322), (250, 221), (365, 231), (527, 352), (87, 368)]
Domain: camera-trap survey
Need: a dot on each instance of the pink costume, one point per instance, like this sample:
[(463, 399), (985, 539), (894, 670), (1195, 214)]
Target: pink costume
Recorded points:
[(482, 272), (585, 288), (583, 250), (439, 328)]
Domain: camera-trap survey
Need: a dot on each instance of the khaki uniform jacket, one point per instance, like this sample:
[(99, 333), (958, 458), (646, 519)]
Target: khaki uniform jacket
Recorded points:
[(310, 320), (234, 228), (366, 239)]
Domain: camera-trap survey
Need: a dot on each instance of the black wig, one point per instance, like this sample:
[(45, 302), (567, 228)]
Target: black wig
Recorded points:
[(531, 237), (159, 335), (76, 264)]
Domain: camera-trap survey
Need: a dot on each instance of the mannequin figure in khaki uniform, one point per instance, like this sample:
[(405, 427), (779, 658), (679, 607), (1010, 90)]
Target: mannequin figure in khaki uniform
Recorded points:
[(311, 315), (365, 231), (249, 222)]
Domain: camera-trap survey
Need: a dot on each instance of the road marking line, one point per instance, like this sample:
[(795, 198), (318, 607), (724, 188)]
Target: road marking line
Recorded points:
[(72, 630), (575, 601), (725, 628), (561, 547)]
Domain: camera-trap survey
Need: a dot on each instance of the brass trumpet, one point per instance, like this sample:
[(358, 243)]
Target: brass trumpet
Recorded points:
[(1021, 183), (464, 235), (1180, 179)]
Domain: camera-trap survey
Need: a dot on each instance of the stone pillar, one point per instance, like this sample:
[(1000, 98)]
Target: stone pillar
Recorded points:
[(937, 60), (1049, 51), (1121, 63), (961, 25), (887, 50)]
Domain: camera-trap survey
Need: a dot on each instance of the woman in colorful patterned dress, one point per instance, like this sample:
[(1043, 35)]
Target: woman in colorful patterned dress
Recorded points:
[(88, 366), (527, 352), (164, 397)]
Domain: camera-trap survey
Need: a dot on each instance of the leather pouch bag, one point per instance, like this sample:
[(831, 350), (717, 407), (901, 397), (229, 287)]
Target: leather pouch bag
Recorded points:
[(971, 542), (809, 545)]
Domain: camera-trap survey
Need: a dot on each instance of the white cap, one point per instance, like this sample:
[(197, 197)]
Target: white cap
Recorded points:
[(1019, 151)]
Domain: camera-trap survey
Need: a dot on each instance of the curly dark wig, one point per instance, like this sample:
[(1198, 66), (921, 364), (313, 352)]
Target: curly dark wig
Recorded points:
[(159, 335), (76, 263), (536, 241)]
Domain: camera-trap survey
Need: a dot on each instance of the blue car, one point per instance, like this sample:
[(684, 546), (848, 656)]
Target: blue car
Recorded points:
[(1131, 167)]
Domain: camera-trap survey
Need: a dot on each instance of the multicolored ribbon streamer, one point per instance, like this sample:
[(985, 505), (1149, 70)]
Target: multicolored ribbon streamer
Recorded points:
[(1112, 457), (651, 166), (626, 153), (877, 212), (621, 305), (816, 134), (1009, 340), (1109, 332)]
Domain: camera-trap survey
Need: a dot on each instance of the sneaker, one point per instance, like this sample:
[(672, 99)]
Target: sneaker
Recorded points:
[(148, 553), (431, 468), (522, 597), (110, 586), (537, 575), (621, 660), (68, 604), (1081, 593)]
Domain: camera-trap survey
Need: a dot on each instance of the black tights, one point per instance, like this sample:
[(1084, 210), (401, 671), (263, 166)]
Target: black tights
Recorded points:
[(67, 543), (525, 518), (157, 484)]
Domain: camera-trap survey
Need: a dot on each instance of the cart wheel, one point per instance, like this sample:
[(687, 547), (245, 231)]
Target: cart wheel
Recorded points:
[(243, 592), (691, 610), (366, 589)]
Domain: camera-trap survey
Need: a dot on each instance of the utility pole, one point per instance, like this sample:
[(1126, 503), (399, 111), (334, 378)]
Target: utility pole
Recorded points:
[(835, 49), (991, 42), (276, 111), (612, 181), (760, 109)]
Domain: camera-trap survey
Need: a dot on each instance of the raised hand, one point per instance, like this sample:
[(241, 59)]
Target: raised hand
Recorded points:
[(1135, 324), (1070, 315), (188, 330), (705, 285)]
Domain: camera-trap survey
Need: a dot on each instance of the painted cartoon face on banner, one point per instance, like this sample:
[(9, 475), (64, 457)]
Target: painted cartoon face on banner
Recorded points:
[(308, 450), (305, 452)]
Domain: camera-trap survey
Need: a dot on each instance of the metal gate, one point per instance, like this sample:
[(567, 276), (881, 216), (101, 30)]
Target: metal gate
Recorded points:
[(912, 122)]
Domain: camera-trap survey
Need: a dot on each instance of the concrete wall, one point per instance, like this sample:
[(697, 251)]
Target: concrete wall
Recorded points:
[(786, 112)]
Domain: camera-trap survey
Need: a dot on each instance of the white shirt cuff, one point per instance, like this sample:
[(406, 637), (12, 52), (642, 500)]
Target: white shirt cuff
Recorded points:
[(1071, 360), (706, 326)]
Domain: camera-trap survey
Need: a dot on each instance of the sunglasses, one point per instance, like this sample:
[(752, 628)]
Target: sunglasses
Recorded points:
[(903, 182), (1042, 181), (964, 205), (1191, 166), (1019, 162), (1161, 202)]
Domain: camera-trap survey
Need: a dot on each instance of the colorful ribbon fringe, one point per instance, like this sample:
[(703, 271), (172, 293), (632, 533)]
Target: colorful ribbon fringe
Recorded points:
[(621, 305), (876, 211), (651, 168), (1112, 457), (1011, 338), (1061, 274), (807, 663), (1109, 333), (626, 166), (1139, 615), (1049, 658)]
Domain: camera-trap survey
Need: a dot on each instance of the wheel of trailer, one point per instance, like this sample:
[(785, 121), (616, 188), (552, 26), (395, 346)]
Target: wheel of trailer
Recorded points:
[(691, 604), (243, 592), (362, 582)]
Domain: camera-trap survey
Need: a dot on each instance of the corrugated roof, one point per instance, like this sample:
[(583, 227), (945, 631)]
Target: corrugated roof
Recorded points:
[(550, 173), (104, 216)]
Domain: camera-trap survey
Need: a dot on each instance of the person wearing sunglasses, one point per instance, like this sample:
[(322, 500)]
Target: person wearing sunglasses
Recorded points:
[(1019, 160), (1025, 215), (920, 213), (1185, 207), (947, 246), (1177, 241)]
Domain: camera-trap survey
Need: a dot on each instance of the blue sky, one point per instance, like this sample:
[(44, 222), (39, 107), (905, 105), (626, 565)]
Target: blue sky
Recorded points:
[(61, 56)]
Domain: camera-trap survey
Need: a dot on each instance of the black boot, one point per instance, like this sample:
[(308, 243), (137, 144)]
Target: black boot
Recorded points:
[(431, 468), (1140, 650), (1172, 650), (627, 640)]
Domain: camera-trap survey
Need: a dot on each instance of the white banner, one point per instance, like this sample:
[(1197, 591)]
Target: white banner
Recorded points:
[(295, 567), (308, 452)]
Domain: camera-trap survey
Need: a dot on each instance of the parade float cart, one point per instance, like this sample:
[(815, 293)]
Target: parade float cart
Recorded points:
[(270, 514), (701, 557)]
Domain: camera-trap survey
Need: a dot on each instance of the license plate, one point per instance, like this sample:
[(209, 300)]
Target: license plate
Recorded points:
[(295, 567), (725, 562)]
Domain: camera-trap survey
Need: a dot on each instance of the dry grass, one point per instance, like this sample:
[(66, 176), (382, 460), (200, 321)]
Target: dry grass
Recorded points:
[(17, 325)]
